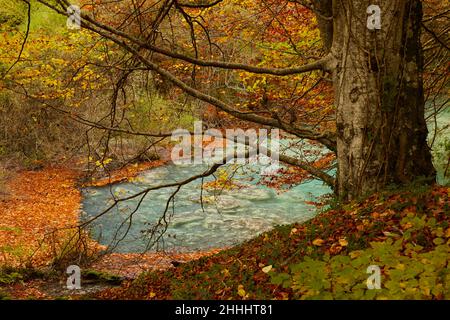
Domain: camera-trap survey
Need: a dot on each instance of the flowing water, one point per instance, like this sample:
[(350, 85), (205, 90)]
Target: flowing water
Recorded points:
[(199, 219)]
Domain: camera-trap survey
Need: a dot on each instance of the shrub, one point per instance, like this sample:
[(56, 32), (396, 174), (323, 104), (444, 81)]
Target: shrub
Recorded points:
[(407, 273)]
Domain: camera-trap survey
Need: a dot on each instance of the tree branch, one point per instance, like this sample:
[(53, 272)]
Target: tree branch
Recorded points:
[(327, 139), (316, 65), (202, 5)]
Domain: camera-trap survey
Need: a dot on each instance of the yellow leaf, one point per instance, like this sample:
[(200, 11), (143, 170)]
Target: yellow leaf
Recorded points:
[(267, 269), (241, 291), (400, 266), (343, 242), (225, 272), (318, 242), (152, 295)]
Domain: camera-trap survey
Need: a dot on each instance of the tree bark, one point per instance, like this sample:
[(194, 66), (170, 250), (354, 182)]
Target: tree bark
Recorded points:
[(381, 130)]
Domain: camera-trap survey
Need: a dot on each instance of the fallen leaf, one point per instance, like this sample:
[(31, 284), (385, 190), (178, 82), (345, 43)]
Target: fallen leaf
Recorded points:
[(318, 242), (267, 269), (354, 254), (241, 291)]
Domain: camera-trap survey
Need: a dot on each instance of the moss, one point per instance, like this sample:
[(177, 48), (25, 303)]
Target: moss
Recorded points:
[(93, 276), (10, 275)]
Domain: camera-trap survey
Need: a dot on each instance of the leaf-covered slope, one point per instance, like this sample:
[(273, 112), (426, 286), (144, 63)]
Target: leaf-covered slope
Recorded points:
[(326, 257)]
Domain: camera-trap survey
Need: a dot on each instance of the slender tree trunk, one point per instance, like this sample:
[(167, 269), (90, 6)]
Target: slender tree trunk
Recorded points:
[(381, 130)]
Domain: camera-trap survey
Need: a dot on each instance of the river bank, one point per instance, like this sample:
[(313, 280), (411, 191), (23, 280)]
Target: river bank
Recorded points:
[(39, 203)]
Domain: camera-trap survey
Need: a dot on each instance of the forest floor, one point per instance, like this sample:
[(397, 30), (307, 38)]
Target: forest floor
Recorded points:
[(415, 220)]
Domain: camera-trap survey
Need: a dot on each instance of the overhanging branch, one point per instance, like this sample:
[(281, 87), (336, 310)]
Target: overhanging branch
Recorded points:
[(316, 65)]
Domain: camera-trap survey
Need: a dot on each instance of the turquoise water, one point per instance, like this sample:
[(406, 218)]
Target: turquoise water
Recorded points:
[(227, 217)]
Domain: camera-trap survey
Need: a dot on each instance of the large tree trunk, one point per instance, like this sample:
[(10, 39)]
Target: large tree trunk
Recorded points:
[(381, 131)]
